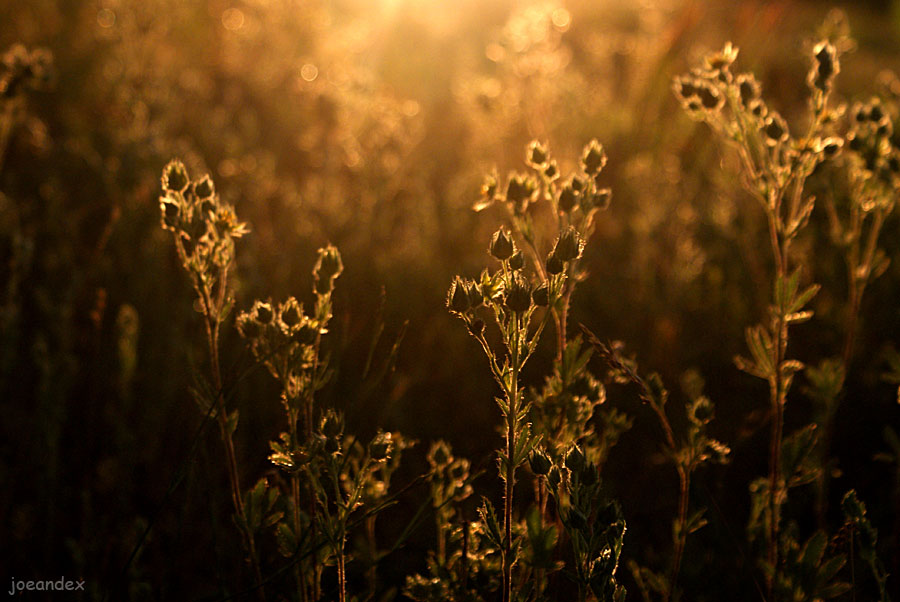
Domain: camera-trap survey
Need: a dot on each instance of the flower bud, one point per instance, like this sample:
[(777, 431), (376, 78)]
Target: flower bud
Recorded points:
[(539, 462), (291, 312), (518, 295), (775, 129), (541, 295), (475, 296), (381, 446), (569, 245), (204, 189), (536, 155), (170, 213), (594, 157), (568, 198), (175, 176), (262, 312), (306, 334), (331, 424), (575, 460), (553, 477), (476, 327), (328, 264), (555, 265), (517, 261), (458, 296), (501, 245)]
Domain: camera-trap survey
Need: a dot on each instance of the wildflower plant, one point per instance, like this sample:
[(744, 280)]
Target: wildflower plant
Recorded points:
[(204, 229), (687, 452), (520, 302)]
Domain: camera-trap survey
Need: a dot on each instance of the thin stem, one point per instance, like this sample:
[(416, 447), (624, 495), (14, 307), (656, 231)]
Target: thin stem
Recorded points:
[(684, 483), (511, 419), (212, 333)]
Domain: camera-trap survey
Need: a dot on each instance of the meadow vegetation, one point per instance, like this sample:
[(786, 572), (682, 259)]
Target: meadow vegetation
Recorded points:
[(665, 367)]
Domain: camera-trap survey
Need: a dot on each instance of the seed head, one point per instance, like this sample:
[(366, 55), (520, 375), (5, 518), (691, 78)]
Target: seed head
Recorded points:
[(175, 176), (502, 245), (518, 295), (593, 159)]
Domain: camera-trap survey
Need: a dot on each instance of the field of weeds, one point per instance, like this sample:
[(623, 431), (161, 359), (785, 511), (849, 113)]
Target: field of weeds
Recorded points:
[(428, 300)]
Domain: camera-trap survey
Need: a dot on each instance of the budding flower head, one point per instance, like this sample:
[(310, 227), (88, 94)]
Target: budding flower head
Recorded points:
[(328, 264), (247, 326), (710, 98), (439, 454), (551, 170), (575, 460), (518, 294), (458, 296), (536, 155), (541, 295), (170, 213), (519, 191), (722, 59), (825, 66), (775, 129), (204, 189), (517, 261), (291, 312), (502, 245), (568, 198), (331, 424), (539, 462), (262, 312), (593, 159), (569, 245), (175, 176), (555, 265), (748, 88), (381, 446)]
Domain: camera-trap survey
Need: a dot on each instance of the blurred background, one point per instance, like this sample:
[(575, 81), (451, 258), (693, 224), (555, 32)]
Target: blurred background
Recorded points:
[(370, 124)]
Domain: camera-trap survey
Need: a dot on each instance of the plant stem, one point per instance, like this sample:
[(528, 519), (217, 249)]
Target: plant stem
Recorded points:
[(511, 419), (212, 333)]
